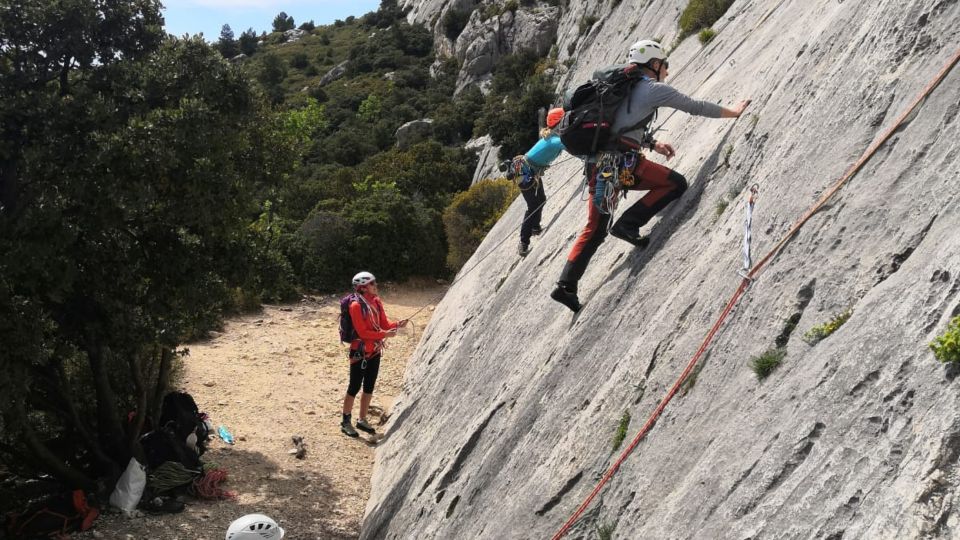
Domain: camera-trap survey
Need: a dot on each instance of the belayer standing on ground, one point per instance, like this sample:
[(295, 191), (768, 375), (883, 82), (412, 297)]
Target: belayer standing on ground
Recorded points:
[(531, 168), (370, 327), (628, 133)]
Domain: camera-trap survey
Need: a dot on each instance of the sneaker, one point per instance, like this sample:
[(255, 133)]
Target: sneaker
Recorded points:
[(364, 426), (567, 298), (348, 430), (535, 231), (627, 236), (524, 249)]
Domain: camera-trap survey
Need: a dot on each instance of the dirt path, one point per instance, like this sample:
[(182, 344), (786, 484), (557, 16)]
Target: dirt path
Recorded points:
[(269, 376)]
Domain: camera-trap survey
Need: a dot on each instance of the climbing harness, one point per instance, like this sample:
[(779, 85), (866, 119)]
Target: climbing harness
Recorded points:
[(744, 284), (525, 175), (747, 233), (613, 175)]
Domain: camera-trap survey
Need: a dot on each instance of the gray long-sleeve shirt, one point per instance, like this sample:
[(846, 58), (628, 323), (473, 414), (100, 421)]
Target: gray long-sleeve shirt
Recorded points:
[(646, 96)]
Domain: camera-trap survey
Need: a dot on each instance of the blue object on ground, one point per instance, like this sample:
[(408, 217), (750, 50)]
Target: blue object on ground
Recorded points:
[(225, 434)]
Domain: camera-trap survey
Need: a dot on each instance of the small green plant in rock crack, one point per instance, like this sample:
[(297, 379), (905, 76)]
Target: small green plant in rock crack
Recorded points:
[(764, 364), (587, 23), (727, 152), (722, 205), (822, 331), (605, 531), (621, 432), (706, 35), (946, 347), (691, 379)]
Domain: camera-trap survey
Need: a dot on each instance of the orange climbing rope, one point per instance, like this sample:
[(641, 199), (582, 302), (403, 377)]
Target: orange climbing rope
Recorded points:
[(746, 282)]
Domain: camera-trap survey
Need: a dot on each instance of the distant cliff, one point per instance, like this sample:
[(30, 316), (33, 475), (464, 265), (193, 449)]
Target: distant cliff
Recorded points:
[(511, 403)]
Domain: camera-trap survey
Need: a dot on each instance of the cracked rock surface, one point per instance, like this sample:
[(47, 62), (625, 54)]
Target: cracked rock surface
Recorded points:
[(510, 405)]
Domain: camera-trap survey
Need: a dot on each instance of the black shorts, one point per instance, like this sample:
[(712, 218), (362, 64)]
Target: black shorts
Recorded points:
[(363, 373)]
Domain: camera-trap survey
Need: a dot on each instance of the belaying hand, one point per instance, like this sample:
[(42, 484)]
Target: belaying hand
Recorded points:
[(403, 322), (664, 149)]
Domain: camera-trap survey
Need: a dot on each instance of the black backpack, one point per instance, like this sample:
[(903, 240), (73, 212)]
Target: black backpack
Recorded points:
[(586, 127), (347, 332)]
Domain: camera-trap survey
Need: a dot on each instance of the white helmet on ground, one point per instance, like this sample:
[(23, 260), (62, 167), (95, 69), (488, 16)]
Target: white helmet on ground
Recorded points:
[(254, 527), (646, 50), (363, 278)]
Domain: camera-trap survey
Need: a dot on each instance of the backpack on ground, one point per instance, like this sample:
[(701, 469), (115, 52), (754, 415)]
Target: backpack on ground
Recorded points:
[(586, 127), (347, 332)]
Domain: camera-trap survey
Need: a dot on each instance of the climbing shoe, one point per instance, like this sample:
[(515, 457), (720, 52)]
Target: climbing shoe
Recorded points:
[(364, 426), (348, 430), (524, 249), (535, 230), (633, 237), (566, 297)]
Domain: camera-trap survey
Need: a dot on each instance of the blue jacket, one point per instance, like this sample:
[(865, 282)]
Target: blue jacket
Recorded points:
[(545, 151)]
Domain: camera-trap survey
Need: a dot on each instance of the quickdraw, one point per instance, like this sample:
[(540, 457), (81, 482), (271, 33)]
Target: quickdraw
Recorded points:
[(614, 173), (523, 174)]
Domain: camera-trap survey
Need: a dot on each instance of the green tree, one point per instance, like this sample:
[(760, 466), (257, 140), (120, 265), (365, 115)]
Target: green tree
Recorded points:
[(248, 42), (519, 90), (130, 168), (370, 109), (426, 170), (227, 45), (283, 22), (271, 73)]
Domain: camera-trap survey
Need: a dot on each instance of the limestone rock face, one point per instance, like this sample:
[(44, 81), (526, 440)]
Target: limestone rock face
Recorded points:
[(484, 41), (335, 73), (413, 132), (511, 403), (486, 158)]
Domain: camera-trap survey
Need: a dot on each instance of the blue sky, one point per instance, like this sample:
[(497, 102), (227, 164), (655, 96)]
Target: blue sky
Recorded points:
[(208, 16)]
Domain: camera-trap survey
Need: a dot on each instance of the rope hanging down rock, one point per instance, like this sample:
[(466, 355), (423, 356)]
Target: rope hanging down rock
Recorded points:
[(745, 282)]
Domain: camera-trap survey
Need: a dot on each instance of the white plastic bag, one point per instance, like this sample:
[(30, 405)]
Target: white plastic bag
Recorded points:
[(130, 487)]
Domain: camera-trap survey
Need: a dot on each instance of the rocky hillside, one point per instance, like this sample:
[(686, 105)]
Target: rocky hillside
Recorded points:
[(511, 403)]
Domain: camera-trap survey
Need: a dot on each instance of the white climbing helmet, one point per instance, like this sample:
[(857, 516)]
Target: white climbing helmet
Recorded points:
[(254, 527), (644, 51), (363, 278)]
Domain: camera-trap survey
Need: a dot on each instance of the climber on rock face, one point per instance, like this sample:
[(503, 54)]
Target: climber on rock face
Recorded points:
[(531, 167), (619, 158)]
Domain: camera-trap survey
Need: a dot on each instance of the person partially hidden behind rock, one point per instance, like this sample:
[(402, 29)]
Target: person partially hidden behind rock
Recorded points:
[(663, 185), (372, 328)]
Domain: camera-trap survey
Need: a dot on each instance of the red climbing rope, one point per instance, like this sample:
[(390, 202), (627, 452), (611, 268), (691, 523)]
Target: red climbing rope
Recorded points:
[(746, 282), (208, 486)]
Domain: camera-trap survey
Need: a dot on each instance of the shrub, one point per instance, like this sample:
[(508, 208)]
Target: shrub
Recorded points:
[(299, 61), (381, 228), (621, 433), (517, 93), (313, 251), (765, 363), (587, 23), (472, 214), (946, 347), (721, 206), (701, 14), (706, 35), (605, 531), (510, 5), (822, 331)]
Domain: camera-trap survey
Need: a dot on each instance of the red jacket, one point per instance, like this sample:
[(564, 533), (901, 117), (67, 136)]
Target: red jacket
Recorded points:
[(370, 323)]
